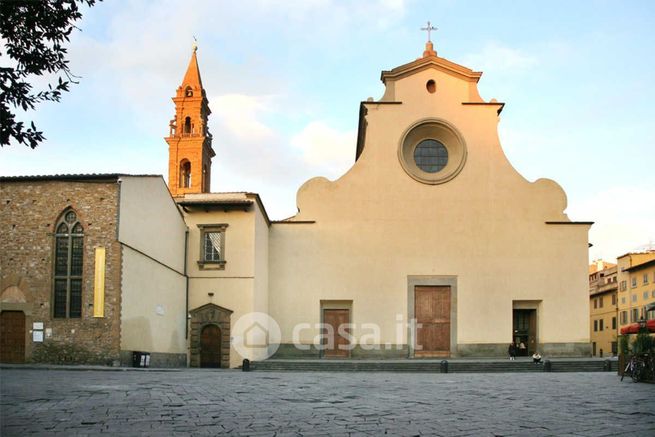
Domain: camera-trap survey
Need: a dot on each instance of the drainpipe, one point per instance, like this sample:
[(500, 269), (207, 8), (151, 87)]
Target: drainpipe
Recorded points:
[(186, 278)]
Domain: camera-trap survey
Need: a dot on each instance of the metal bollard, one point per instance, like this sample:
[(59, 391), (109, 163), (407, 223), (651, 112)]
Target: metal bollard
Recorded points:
[(443, 366), (245, 366), (548, 366)]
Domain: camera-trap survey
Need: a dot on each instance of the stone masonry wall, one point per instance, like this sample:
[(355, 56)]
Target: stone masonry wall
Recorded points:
[(28, 213)]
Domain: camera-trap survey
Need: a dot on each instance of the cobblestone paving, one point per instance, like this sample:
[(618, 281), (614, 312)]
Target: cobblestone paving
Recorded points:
[(198, 402)]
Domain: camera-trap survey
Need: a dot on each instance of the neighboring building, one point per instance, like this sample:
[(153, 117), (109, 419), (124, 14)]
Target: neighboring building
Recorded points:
[(636, 277), (603, 323), (92, 268), (431, 223)]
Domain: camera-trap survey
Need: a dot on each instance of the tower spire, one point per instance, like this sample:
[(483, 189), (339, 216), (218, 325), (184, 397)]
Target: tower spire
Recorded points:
[(189, 141)]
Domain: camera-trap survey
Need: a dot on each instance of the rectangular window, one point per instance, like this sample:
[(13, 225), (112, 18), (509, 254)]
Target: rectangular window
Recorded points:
[(645, 295), (595, 325), (634, 281), (623, 300), (623, 286), (600, 302), (624, 317), (601, 324), (613, 322), (634, 316), (614, 299), (645, 278), (212, 246), (615, 348), (595, 303), (634, 298)]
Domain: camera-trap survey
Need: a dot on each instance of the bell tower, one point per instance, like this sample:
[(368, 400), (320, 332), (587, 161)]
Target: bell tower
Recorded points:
[(189, 141)]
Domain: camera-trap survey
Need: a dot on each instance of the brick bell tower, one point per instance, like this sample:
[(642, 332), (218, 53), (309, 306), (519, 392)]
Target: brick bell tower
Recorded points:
[(190, 150)]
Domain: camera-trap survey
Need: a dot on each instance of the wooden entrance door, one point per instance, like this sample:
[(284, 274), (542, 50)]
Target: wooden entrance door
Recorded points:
[(12, 337), (210, 346), (432, 311), (336, 345)]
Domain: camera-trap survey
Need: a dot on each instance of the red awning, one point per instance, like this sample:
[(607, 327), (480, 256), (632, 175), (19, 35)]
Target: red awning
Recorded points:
[(634, 328)]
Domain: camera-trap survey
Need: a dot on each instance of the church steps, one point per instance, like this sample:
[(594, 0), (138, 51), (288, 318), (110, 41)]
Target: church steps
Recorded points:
[(578, 365)]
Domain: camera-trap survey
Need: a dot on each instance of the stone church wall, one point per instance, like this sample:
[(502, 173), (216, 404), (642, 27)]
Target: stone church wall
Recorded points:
[(29, 211)]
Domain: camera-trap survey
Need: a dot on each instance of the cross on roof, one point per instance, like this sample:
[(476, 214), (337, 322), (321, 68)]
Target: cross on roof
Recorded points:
[(429, 28)]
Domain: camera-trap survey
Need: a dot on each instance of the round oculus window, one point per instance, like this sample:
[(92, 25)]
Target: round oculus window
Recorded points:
[(432, 151), (431, 156)]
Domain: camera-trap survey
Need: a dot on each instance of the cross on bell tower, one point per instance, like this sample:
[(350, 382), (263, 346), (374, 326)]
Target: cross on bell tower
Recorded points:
[(189, 141)]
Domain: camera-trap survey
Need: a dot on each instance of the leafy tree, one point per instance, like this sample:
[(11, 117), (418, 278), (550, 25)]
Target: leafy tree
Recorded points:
[(33, 33)]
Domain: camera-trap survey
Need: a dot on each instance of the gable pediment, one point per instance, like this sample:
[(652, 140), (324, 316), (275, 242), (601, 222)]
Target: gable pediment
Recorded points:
[(428, 62)]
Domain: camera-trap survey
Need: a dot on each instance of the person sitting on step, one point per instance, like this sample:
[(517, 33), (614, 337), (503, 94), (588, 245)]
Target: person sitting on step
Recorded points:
[(536, 358)]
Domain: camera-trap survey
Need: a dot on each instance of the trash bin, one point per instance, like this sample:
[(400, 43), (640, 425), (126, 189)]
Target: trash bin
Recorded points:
[(140, 359)]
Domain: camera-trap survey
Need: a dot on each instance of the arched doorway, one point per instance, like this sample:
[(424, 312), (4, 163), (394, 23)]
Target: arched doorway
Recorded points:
[(210, 346), (12, 337)]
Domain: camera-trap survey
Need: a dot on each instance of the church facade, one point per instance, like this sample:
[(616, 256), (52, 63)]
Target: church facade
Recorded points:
[(430, 245)]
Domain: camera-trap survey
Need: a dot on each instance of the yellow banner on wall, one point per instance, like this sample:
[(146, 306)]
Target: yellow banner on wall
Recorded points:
[(99, 284)]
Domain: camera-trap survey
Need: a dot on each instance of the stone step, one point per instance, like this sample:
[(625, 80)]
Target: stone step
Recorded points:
[(578, 365)]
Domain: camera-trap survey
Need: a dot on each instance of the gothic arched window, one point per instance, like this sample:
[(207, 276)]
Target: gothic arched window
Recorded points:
[(185, 174), (69, 257)]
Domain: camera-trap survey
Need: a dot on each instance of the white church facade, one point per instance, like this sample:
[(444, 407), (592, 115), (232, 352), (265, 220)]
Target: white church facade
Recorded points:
[(430, 245)]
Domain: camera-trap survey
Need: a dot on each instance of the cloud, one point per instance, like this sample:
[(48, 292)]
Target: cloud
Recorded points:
[(240, 115), (499, 58), (326, 148)]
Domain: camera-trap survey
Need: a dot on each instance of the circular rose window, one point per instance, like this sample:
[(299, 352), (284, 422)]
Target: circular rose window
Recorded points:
[(432, 151)]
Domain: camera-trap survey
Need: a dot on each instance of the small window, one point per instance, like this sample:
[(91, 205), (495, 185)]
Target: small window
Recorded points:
[(623, 300), (623, 286), (187, 125), (600, 302), (68, 266), (645, 295), (188, 92), (595, 303), (613, 322), (614, 299), (624, 317), (634, 316), (212, 246), (634, 298), (601, 324), (595, 325), (645, 278), (634, 281), (431, 86)]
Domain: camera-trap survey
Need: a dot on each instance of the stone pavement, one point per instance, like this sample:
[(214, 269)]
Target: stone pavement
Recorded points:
[(216, 402)]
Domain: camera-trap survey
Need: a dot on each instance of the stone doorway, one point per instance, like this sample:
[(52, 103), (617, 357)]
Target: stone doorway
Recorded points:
[(12, 337), (525, 331), (210, 336)]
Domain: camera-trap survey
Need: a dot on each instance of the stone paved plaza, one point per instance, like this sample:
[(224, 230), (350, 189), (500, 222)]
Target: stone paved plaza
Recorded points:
[(201, 402)]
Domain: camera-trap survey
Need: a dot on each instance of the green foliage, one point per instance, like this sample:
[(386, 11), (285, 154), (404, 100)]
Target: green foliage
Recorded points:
[(624, 344), (33, 33), (643, 343)]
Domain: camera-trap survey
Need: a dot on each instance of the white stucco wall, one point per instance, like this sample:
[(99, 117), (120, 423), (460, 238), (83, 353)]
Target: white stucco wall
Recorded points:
[(376, 225), (152, 235)]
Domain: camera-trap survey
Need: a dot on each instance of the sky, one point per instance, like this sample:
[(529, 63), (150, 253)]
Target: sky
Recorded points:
[(284, 80)]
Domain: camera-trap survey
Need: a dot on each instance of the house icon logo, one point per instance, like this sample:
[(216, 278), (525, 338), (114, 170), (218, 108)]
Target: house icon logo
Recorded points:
[(256, 336)]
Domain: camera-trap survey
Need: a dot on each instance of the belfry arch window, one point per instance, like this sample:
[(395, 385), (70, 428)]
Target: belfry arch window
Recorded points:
[(187, 125), (68, 258), (185, 174), (188, 92)]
